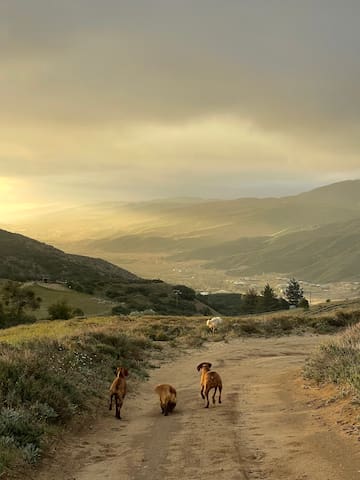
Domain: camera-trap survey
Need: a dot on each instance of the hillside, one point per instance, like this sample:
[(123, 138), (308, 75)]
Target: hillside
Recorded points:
[(325, 254), (24, 259), (312, 235)]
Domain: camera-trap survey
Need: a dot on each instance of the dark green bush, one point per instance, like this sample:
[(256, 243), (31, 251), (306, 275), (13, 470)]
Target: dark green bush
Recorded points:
[(60, 310)]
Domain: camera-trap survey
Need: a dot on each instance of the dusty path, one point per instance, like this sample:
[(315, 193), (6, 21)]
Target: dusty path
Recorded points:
[(264, 429)]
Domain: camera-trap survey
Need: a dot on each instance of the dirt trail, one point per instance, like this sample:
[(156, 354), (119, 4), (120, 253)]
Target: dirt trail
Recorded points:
[(264, 428)]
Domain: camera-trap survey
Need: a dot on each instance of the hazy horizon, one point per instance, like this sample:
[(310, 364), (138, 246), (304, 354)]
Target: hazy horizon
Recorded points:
[(20, 213)]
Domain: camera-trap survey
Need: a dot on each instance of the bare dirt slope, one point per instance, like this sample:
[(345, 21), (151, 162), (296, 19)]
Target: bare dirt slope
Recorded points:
[(266, 427)]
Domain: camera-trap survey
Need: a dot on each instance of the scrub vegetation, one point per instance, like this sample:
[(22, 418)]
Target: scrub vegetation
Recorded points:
[(338, 361)]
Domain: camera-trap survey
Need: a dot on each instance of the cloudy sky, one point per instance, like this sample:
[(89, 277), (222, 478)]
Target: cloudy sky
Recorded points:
[(113, 99)]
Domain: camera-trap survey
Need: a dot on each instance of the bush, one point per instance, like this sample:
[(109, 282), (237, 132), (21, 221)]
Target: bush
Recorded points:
[(19, 427), (304, 304), (250, 327), (60, 310), (120, 310), (338, 361)]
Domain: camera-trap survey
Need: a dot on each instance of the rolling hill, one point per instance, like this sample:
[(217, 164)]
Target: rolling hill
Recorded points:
[(23, 258), (180, 223), (311, 235), (325, 254)]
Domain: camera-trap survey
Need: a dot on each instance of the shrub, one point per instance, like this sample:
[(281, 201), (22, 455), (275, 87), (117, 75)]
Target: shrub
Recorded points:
[(338, 361), (60, 310), (249, 327), (18, 427), (278, 325), (303, 303), (120, 310)]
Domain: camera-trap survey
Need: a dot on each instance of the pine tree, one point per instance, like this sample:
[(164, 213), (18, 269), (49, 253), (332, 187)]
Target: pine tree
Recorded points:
[(294, 293), (269, 299)]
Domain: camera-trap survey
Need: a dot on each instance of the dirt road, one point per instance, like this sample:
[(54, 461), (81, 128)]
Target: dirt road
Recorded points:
[(264, 429)]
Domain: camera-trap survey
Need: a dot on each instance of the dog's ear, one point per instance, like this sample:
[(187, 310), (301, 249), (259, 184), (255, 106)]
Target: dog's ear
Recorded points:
[(125, 372)]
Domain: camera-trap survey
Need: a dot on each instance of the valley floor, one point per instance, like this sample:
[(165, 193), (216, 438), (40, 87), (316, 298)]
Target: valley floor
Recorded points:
[(268, 427)]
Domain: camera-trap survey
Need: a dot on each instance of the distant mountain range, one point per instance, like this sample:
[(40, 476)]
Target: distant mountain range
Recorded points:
[(314, 235)]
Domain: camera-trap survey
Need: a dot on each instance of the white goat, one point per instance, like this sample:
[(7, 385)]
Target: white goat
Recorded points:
[(214, 323)]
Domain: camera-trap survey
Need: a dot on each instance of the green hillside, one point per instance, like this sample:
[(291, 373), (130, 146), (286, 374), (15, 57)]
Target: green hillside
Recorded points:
[(24, 259), (89, 304)]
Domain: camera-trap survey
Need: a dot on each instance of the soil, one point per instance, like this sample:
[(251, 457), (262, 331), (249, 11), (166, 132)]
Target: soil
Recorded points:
[(271, 425)]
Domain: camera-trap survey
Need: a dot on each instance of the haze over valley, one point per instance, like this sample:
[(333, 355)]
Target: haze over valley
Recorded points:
[(221, 244)]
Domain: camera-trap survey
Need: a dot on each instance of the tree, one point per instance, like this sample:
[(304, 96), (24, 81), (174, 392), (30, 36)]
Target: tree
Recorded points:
[(17, 298), (60, 310), (294, 293), (269, 299)]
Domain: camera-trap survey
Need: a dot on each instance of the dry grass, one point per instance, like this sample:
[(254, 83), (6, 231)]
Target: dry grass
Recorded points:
[(338, 361)]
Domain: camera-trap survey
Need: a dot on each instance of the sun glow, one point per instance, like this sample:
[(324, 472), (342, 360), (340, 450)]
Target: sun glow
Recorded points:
[(12, 202)]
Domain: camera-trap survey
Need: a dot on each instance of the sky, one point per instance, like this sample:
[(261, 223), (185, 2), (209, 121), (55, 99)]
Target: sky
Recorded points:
[(127, 100)]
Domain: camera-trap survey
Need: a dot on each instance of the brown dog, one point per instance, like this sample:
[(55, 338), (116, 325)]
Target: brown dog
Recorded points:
[(208, 381), (118, 390), (167, 394)]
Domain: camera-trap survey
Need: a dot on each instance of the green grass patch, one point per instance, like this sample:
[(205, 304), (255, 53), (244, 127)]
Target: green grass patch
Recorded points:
[(89, 304)]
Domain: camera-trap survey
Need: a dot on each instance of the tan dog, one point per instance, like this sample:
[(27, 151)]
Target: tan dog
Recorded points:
[(167, 394), (118, 390), (209, 380)]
